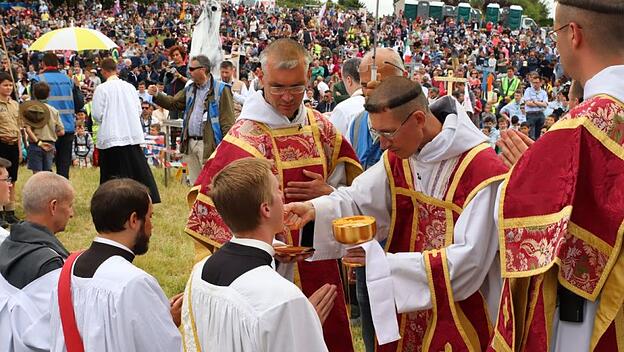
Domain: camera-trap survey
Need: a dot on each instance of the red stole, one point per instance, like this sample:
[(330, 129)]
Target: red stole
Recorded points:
[(73, 341), (561, 220), (316, 147), (425, 224)]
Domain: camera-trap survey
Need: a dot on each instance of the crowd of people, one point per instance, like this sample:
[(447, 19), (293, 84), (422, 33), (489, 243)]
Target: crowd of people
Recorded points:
[(305, 110)]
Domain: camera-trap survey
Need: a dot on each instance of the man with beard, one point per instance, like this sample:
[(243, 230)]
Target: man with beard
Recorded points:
[(103, 302)]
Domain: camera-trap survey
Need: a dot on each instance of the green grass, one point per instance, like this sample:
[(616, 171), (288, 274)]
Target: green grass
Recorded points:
[(170, 256)]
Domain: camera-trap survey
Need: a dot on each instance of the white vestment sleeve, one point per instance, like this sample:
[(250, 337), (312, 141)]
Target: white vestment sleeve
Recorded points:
[(469, 258), (368, 195), (292, 326), (146, 319), (97, 105)]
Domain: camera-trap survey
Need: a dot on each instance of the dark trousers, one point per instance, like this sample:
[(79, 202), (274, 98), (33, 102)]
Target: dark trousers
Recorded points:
[(366, 317), (536, 122), (64, 154)]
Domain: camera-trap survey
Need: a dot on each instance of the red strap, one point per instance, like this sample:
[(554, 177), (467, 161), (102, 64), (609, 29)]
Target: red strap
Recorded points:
[(73, 341)]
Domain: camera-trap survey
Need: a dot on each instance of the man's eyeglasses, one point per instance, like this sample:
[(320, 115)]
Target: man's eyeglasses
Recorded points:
[(553, 34), (391, 134), (283, 90), (8, 179), (191, 68)]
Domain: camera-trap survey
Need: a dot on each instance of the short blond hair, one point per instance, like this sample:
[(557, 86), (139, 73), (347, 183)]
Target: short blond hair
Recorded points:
[(239, 189)]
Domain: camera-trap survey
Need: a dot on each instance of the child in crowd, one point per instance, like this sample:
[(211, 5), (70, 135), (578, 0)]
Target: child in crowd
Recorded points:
[(515, 122), (525, 128), (43, 127), (550, 120), (83, 147), (494, 134)]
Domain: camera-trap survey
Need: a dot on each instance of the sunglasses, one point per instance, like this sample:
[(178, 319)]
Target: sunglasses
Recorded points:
[(191, 69)]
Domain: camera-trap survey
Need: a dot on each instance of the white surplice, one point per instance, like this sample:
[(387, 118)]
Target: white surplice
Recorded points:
[(471, 259), (24, 314), (122, 308), (570, 336), (260, 311), (117, 109)]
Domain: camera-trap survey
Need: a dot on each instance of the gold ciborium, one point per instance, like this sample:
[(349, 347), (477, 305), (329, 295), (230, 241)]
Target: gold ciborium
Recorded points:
[(354, 230)]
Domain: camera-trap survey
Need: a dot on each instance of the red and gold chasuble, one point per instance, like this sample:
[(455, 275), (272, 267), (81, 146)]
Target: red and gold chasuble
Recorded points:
[(316, 147), (561, 221), (421, 223)]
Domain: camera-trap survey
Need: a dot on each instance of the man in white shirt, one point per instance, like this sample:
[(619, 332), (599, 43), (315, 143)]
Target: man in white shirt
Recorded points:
[(143, 94), (514, 108), (235, 300), (117, 109), (347, 110), (535, 102), (321, 86), (105, 303)]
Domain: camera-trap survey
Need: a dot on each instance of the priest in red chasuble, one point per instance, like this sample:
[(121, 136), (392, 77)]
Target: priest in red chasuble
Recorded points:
[(561, 209), (432, 196), (308, 156)]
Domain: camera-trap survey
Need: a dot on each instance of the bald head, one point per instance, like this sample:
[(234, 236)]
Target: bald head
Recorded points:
[(388, 63), (42, 188)]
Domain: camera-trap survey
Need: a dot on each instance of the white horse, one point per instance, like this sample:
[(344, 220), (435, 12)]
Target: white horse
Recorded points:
[(206, 40)]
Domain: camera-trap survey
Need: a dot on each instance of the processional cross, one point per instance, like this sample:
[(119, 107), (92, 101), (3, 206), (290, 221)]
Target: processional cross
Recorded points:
[(450, 80)]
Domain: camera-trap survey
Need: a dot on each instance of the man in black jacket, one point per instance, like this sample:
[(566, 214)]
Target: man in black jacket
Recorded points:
[(32, 249)]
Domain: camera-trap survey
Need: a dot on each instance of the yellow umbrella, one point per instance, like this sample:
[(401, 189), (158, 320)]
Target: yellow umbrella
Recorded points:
[(72, 38)]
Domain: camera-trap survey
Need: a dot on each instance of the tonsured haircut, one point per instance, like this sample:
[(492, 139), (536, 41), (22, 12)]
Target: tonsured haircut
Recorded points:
[(286, 54)]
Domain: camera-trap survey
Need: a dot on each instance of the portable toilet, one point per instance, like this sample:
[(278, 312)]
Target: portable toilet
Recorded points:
[(463, 12), (436, 10), (449, 11), (423, 9), (514, 17), (492, 13), (411, 9)]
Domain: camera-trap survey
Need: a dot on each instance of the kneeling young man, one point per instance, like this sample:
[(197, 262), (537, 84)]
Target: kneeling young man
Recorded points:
[(234, 299)]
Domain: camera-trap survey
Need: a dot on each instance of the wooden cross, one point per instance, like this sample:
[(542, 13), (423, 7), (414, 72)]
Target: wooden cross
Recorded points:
[(450, 80)]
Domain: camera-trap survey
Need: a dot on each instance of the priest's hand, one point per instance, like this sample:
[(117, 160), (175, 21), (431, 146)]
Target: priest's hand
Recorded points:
[(356, 255), (297, 214), (175, 306), (306, 190), (513, 144), (323, 300)]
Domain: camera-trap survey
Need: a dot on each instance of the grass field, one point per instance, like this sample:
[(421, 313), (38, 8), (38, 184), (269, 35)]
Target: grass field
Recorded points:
[(170, 256)]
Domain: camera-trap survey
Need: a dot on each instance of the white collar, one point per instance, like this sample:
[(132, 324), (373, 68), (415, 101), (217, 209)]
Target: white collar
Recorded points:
[(112, 78), (257, 109), (608, 81), (250, 242), (357, 92), (112, 243)]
